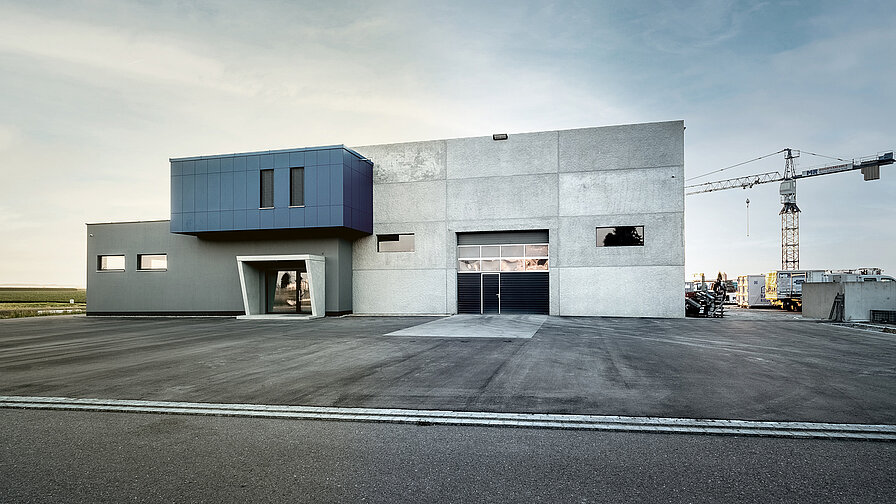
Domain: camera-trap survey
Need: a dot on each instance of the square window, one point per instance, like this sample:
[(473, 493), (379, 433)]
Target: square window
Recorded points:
[(620, 236)]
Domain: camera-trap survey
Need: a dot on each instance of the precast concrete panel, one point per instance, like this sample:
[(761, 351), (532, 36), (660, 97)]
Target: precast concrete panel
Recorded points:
[(633, 291), (406, 162), (429, 248), (399, 292), (519, 197), (663, 244), (622, 147), (400, 202), (647, 190), (519, 154)]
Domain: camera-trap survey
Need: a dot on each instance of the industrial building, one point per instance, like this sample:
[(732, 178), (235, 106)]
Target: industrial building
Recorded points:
[(574, 222)]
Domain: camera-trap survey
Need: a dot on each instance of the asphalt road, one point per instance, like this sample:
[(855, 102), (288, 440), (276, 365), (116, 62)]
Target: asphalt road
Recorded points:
[(733, 368), (55, 456)]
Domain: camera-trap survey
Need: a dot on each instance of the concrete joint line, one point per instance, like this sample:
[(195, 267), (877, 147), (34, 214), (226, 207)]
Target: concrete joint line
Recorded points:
[(816, 430)]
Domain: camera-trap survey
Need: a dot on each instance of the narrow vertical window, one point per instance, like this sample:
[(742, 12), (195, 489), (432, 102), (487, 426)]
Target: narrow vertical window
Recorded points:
[(267, 188), (296, 187)]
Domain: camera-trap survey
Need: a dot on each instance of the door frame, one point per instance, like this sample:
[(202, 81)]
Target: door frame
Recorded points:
[(482, 291)]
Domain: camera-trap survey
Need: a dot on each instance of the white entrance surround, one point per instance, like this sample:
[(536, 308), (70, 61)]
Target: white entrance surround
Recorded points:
[(252, 283)]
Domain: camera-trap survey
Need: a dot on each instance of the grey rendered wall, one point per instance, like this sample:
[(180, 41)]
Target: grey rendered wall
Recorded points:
[(859, 299), (202, 274), (568, 182)]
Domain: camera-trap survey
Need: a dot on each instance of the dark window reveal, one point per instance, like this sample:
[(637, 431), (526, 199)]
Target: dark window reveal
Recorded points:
[(395, 243), (296, 187), (267, 188), (620, 236)]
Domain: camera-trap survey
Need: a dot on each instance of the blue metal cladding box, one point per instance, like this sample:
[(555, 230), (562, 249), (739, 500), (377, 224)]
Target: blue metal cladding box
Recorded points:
[(224, 193)]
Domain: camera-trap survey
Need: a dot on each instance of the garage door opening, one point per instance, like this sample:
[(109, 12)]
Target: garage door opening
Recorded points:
[(503, 272)]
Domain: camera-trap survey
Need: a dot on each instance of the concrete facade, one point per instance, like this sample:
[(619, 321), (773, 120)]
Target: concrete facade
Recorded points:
[(566, 182), (859, 298)]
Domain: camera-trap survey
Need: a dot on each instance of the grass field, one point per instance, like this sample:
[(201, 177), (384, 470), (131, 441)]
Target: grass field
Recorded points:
[(18, 302), (32, 295)]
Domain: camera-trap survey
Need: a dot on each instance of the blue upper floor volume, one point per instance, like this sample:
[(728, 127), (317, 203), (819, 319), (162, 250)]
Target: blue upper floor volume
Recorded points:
[(314, 187)]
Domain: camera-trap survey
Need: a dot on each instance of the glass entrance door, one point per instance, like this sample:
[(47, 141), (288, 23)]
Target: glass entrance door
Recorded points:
[(288, 292), (285, 293)]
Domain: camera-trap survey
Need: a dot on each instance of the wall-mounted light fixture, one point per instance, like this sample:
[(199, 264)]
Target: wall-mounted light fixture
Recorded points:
[(499, 136)]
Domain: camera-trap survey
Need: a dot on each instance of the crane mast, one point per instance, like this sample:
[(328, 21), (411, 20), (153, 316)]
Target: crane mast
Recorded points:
[(790, 216), (790, 212)]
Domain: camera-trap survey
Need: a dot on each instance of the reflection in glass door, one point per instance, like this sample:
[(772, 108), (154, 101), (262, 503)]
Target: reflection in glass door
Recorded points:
[(285, 290), (290, 292)]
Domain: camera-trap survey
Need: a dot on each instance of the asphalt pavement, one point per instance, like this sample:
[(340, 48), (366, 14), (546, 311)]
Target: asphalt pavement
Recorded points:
[(752, 365), (778, 368), (75, 457)]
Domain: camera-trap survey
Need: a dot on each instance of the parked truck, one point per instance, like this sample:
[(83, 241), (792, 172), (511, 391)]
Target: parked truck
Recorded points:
[(751, 291), (784, 288)]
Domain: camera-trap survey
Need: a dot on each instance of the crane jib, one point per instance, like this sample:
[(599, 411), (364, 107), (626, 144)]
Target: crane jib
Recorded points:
[(825, 170)]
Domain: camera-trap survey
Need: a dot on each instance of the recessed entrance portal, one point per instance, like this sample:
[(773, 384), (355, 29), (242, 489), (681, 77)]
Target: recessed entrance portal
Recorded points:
[(277, 285)]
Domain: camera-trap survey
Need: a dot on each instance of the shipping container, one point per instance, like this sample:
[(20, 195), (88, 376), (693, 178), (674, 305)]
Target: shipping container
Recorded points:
[(751, 291)]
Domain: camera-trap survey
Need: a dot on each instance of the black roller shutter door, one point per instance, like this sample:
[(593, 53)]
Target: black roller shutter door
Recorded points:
[(468, 300), (524, 292)]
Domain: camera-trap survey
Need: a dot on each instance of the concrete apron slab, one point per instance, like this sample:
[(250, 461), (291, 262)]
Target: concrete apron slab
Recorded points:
[(816, 430), (477, 326)]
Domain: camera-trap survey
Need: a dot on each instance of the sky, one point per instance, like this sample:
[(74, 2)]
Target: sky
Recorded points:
[(96, 96)]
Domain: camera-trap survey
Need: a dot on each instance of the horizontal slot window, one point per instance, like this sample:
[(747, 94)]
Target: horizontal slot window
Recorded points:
[(620, 236), (152, 262), (395, 242), (110, 263)]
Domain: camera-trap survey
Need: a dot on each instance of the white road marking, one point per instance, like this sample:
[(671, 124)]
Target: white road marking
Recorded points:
[(818, 430)]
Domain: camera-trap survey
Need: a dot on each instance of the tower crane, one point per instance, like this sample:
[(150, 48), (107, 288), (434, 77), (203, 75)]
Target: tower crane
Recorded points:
[(790, 212)]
